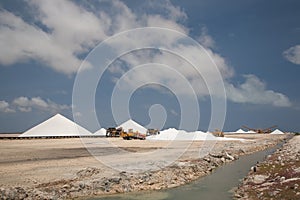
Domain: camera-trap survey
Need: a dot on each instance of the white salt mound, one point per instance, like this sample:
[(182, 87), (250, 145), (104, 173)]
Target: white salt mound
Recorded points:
[(57, 125), (174, 134), (100, 132), (130, 124), (250, 132), (240, 131), (277, 132)]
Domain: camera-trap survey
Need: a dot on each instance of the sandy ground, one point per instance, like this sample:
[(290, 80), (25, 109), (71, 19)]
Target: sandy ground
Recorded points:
[(29, 163)]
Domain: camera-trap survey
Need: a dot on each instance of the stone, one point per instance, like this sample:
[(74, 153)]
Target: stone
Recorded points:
[(81, 185), (258, 179), (228, 156), (115, 180), (279, 158), (66, 186), (241, 151)]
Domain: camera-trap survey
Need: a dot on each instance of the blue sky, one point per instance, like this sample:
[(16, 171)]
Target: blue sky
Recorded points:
[(255, 44)]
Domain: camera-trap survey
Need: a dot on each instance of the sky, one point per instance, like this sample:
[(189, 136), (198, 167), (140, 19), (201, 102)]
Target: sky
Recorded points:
[(203, 64)]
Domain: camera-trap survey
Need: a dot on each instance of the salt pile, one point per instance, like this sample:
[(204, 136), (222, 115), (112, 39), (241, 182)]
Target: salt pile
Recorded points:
[(130, 124), (174, 134), (250, 132), (240, 131), (100, 132), (57, 126), (277, 132)]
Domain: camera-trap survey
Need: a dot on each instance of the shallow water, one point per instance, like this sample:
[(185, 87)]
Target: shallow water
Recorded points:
[(214, 187)]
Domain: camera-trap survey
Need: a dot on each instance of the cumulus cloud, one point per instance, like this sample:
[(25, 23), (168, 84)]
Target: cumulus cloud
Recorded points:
[(25, 104), (205, 39), (293, 54), (4, 107), (69, 30), (253, 90)]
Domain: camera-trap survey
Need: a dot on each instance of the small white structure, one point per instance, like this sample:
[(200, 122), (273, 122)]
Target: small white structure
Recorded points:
[(130, 124), (56, 126), (277, 132), (100, 132)]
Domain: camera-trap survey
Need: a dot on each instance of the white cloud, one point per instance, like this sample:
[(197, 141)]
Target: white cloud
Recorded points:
[(293, 54), (69, 30), (4, 107), (254, 91), (25, 104), (205, 39)]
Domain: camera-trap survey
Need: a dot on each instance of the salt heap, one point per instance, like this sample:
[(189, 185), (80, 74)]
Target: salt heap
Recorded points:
[(277, 132), (130, 124), (174, 134), (250, 132), (240, 131), (100, 132), (58, 126)]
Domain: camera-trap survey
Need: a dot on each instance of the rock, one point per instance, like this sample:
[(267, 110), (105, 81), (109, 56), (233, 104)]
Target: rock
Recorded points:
[(279, 158), (207, 159), (241, 151), (115, 180), (258, 179), (216, 155), (66, 186), (229, 157), (223, 159), (282, 179), (237, 196), (253, 168), (81, 185)]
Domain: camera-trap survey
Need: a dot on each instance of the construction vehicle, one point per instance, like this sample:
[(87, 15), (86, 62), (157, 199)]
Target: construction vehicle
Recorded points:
[(132, 135), (152, 131), (259, 130), (218, 133), (114, 132)]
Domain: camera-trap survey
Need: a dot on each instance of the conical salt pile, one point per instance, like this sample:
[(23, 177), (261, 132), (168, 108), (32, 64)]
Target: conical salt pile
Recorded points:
[(57, 126)]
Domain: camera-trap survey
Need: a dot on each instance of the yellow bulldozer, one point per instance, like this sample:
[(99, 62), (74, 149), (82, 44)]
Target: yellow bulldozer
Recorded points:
[(119, 132), (132, 135), (114, 132), (218, 133)]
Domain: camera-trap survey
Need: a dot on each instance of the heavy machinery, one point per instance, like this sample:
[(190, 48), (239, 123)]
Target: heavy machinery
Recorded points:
[(114, 132), (259, 130), (119, 132), (132, 135), (152, 131), (218, 133)]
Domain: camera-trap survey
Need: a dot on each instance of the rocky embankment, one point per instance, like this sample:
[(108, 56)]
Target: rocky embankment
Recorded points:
[(278, 177), (91, 182)]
